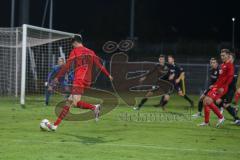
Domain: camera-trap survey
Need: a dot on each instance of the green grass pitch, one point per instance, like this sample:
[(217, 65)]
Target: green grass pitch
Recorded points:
[(114, 137)]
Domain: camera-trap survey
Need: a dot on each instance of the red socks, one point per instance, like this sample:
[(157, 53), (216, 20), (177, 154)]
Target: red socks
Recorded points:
[(85, 105), (215, 110), (63, 113), (66, 109), (206, 113), (236, 98)]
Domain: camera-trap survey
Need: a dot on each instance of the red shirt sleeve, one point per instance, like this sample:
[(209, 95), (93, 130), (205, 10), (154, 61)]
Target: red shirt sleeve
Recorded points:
[(100, 66), (227, 79), (67, 66)]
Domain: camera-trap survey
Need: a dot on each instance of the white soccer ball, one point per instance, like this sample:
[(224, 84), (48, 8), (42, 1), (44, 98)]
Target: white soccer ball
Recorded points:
[(44, 125)]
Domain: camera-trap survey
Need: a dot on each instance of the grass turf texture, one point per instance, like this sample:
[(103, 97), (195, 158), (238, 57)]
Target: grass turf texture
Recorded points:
[(113, 137)]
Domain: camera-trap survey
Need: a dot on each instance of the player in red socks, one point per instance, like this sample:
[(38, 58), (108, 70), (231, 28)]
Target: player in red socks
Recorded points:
[(219, 88), (237, 95), (82, 60)]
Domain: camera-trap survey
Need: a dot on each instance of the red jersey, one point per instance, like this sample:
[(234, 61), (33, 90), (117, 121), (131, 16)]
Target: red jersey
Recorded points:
[(226, 74), (82, 60)]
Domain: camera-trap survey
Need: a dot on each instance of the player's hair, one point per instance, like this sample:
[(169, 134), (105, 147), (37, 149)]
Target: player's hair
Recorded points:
[(213, 59), (77, 38), (171, 56), (227, 51), (60, 58), (233, 55), (161, 56)]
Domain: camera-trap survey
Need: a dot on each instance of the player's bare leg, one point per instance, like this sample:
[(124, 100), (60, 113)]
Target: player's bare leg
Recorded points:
[(180, 93), (62, 115), (74, 100), (84, 105), (163, 102), (143, 101), (200, 107)]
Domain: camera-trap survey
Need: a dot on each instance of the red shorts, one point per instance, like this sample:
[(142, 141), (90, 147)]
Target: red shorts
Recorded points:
[(79, 86), (213, 93)]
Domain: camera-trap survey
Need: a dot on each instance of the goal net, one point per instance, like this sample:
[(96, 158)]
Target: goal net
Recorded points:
[(27, 54)]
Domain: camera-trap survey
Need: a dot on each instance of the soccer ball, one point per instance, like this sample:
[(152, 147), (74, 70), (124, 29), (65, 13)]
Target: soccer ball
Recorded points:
[(44, 125)]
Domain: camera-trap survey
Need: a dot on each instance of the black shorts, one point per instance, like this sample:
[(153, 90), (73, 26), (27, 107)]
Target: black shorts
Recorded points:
[(177, 86), (228, 97)]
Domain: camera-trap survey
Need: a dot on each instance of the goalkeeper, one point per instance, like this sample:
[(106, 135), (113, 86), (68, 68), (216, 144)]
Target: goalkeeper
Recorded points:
[(65, 81)]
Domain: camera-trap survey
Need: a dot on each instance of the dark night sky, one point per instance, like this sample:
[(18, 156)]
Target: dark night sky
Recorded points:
[(155, 19)]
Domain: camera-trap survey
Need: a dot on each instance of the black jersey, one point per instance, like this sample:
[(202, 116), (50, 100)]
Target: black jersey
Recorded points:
[(214, 73), (162, 71), (232, 85), (176, 70)]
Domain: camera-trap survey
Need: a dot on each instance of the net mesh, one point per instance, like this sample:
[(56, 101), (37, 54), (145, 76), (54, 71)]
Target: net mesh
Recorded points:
[(43, 49)]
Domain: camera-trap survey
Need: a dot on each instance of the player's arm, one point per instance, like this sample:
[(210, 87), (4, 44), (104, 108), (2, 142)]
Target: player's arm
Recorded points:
[(51, 75), (152, 71), (210, 83), (101, 67), (181, 75), (171, 76), (212, 79), (149, 73), (70, 76)]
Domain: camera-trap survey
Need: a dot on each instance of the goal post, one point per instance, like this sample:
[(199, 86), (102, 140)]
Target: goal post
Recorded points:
[(47, 42), (27, 54), (23, 74)]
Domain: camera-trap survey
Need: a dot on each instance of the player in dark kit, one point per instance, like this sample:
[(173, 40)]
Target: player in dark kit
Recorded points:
[(226, 100), (176, 77), (214, 72), (218, 89), (162, 70)]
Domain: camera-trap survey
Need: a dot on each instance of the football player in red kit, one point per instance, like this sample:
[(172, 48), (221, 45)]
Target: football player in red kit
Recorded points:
[(237, 96), (82, 60), (219, 88)]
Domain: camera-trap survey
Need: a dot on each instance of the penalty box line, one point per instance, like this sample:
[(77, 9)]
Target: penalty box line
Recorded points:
[(148, 146)]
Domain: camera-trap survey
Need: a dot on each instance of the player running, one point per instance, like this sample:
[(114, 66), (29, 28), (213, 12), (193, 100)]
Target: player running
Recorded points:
[(162, 70), (214, 72), (176, 76), (226, 100), (219, 88), (64, 81), (83, 61)]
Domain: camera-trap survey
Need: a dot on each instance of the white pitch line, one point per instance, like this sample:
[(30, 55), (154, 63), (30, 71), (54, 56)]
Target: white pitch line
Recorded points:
[(148, 146)]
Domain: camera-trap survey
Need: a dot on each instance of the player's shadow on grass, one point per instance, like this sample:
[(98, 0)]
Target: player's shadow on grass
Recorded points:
[(92, 140)]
